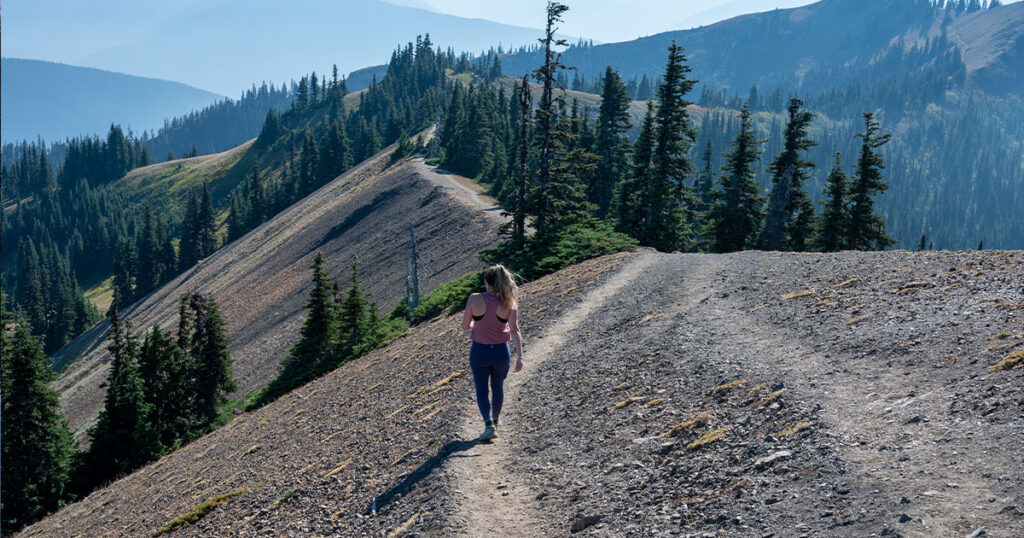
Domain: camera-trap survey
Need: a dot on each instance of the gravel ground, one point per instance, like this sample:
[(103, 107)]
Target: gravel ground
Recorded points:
[(752, 394), (850, 392), (359, 452)]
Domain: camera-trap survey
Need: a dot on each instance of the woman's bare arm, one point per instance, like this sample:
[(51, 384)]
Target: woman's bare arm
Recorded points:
[(517, 339), (467, 316)]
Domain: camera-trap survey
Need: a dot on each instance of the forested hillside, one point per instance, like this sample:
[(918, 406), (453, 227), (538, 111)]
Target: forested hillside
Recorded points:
[(941, 80)]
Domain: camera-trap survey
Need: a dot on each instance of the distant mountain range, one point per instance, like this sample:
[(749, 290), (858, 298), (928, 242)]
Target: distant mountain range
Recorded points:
[(226, 45), (803, 49), (57, 101)]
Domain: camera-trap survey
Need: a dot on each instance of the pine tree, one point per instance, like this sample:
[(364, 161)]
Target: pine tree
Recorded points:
[(165, 371), (125, 264), (518, 206), (790, 214), (735, 215), (189, 252), (38, 448), (834, 220), (547, 76), (611, 143), (669, 200), (211, 374), (353, 321), (314, 353), (632, 192), (122, 438), (206, 236), (706, 181), (148, 272), (866, 229)]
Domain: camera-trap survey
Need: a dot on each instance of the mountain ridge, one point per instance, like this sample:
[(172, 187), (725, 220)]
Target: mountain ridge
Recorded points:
[(56, 101)]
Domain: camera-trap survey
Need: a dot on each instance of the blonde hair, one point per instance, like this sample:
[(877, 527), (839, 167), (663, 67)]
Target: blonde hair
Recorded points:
[(503, 282)]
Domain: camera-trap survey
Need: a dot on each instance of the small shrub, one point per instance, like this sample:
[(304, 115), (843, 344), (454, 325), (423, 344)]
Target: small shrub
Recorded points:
[(450, 296)]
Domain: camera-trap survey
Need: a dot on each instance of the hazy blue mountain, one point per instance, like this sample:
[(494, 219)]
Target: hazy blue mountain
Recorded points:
[(56, 101), (804, 48), (227, 45)]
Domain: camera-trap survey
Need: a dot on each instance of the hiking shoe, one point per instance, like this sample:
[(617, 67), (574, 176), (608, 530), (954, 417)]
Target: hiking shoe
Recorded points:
[(488, 434)]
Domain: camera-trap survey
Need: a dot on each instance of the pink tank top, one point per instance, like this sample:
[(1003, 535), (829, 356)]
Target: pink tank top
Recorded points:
[(490, 329)]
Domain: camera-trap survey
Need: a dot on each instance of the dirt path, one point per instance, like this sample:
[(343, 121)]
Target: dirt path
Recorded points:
[(463, 189), (891, 422), (493, 501)]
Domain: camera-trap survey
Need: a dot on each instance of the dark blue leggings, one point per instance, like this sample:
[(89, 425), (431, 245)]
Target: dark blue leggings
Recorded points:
[(489, 363)]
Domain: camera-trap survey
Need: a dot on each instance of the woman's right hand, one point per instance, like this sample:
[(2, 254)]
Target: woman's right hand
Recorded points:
[(519, 364)]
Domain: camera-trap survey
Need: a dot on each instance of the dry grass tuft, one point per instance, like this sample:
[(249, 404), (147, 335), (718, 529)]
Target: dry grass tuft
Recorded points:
[(688, 425), (649, 317), (426, 408), (399, 410), (722, 388), (708, 438), (403, 457), (626, 402), (449, 379), (858, 319), (620, 386), (654, 402), (769, 399), (796, 295), (404, 527), (845, 283), (756, 389), (798, 427), (195, 514), (1010, 362), (252, 449), (338, 469), (431, 414), (756, 308)]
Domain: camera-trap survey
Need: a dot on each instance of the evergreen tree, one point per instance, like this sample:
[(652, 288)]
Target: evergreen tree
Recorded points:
[(122, 438), (125, 264), (547, 76), (834, 220), (189, 250), (632, 192), (669, 199), (518, 206), (165, 371), (706, 181), (866, 229), (611, 144), (790, 213), (353, 321), (735, 215), (149, 260), (206, 236), (37, 446), (211, 373), (314, 353)]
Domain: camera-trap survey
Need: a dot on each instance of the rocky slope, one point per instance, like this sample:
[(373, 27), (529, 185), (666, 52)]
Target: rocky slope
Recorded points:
[(372, 437), (262, 280), (751, 394)]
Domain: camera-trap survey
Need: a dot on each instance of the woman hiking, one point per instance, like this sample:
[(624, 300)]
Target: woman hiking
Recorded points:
[(492, 319)]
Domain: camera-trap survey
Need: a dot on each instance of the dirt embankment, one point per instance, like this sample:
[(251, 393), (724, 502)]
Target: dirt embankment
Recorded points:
[(262, 280)]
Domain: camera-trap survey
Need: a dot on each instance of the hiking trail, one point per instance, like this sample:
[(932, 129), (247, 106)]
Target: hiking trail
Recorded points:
[(491, 500)]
